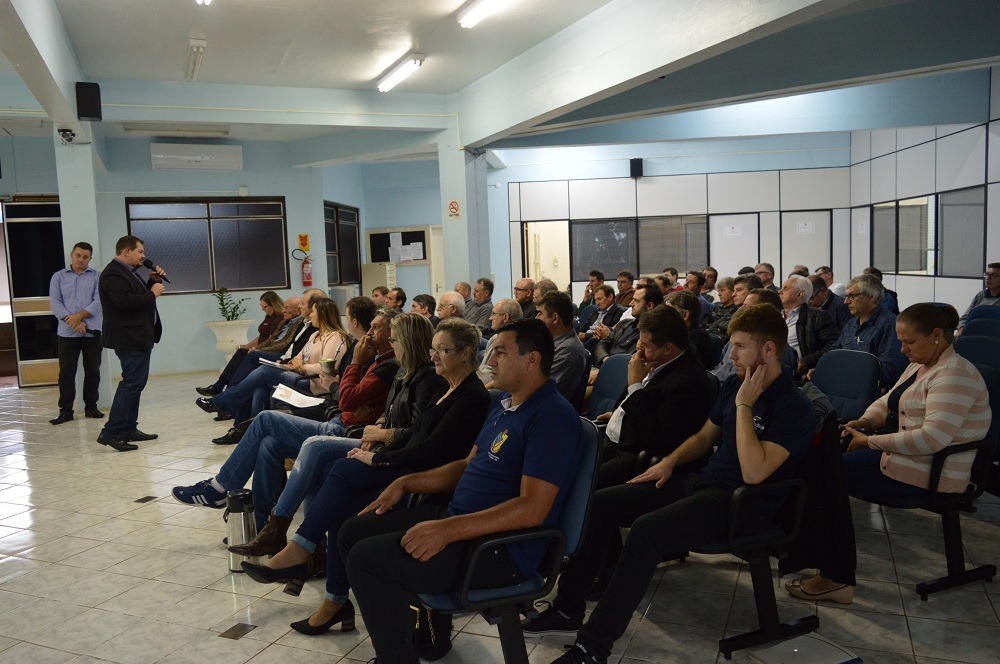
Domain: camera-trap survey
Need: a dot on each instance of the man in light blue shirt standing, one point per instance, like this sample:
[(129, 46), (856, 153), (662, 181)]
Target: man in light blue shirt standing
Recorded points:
[(74, 300)]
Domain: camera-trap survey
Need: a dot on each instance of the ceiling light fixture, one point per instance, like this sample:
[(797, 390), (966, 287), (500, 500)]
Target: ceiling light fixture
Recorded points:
[(476, 11), (195, 53), (399, 71), (204, 2)]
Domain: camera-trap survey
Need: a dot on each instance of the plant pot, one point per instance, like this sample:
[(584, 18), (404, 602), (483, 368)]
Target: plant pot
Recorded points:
[(229, 334)]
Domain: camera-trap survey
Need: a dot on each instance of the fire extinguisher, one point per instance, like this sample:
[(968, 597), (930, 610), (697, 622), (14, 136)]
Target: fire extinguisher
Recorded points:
[(307, 267)]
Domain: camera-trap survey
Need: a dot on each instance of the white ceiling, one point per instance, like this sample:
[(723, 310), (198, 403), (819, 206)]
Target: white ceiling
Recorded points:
[(342, 44)]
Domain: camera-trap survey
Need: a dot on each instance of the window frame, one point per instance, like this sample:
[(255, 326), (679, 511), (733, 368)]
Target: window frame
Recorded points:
[(331, 207)]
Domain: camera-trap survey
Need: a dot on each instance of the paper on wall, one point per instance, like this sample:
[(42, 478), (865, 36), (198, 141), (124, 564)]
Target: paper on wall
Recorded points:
[(417, 250), (394, 254), (405, 254)]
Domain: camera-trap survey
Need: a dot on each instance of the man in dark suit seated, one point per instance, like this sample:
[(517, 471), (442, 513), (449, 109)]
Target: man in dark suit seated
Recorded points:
[(625, 334), (811, 332), (825, 299), (598, 325)]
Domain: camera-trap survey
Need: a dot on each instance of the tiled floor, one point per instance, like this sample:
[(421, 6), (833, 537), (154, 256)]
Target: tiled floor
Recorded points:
[(89, 574)]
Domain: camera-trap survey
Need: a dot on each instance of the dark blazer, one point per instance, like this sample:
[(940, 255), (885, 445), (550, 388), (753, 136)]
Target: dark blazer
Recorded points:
[(611, 316), (672, 407), (130, 319), (816, 333), (837, 310), (622, 340), (409, 398), (441, 434)]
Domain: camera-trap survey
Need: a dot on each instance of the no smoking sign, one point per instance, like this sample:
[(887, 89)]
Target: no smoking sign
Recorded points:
[(454, 209)]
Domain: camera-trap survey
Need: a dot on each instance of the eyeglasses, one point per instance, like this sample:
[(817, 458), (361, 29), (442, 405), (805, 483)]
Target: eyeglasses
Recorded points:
[(496, 313), (987, 275), (441, 350), (526, 290), (759, 272), (851, 296)]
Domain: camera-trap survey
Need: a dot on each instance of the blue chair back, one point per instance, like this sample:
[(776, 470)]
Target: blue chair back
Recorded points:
[(583, 316), (983, 311), (982, 327), (979, 350), (612, 379), (576, 509), (718, 343), (992, 379), (849, 379)]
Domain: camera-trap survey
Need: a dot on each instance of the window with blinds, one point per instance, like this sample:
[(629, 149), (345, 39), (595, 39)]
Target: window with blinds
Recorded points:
[(609, 245), (884, 237), (916, 236), (961, 223), (680, 242)]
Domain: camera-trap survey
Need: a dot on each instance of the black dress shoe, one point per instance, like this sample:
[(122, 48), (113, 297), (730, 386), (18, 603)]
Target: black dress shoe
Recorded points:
[(231, 438), (222, 416), (135, 434), (64, 416), (93, 412), (344, 616), (206, 404), (209, 391), (116, 442)]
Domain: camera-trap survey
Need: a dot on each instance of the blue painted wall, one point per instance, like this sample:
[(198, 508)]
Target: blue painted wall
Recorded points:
[(27, 165)]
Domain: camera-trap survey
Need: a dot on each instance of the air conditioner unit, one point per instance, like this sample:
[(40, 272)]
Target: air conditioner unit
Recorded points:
[(174, 156)]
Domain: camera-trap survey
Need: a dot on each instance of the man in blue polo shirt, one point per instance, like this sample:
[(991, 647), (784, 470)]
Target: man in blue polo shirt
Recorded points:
[(516, 477), (762, 423)]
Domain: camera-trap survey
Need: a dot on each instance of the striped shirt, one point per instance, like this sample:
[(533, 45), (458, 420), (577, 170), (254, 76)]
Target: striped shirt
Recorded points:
[(948, 405)]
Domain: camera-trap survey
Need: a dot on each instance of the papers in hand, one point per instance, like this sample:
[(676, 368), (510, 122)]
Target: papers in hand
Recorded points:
[(271, 363), (297, 399)]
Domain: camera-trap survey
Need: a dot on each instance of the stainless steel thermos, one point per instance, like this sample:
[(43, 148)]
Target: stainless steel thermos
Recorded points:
[(241, 525)]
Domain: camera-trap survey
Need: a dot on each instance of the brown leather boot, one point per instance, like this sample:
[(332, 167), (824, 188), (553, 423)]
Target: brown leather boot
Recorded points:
[(270, 539)]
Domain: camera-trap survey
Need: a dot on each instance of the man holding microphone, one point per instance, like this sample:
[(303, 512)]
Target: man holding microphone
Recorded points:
[(131, 327)]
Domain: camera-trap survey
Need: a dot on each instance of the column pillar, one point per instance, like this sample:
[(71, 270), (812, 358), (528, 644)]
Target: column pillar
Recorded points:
[(464, 212)]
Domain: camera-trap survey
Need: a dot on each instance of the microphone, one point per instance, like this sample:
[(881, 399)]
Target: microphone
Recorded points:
[(150, 265)]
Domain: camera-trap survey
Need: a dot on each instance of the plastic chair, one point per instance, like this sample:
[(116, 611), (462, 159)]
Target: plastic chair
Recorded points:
[(612, 379), (580, 322), (950, 505), (718, 343), (850, 379), (503, 606), (986, 311), (979, 350), (982, 327)]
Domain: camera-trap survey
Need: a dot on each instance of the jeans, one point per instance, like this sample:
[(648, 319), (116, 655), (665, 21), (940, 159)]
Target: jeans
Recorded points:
[(69, 349), (242, 394), (282, 435), (312, 464), (124, 415), (250, 362)]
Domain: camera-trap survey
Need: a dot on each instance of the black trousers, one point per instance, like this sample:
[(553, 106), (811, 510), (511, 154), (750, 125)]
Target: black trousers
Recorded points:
[(70, 349), (686, 512), (234, 363), (385, 577)]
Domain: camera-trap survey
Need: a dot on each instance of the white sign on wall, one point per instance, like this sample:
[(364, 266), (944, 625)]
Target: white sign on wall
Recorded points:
[(733, 230), (805, 228)]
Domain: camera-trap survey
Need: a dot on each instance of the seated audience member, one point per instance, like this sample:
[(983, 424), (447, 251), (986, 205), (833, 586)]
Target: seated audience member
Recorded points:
[(271, 304), (378, 296), (624, 281), (694, 281), (688, 306), (517, 476), (672, 276), (465, 290), (425, 305), (274, 437), (442, 434), (330, 341), (765, 272), (478, 313), (825, 273), (800, 271), (541, 288), (451, 306), (605, 316), (524, 290), (825, 299), (663, 283), (623, 336), (270, 347), (872, 329), (891, 299), (762, 424), (988, 297), (571, 362), (789, 358), (594, 279), (708, 290), (717, 321), (810, 331), (396, 299), (505, 312), (939, 400)]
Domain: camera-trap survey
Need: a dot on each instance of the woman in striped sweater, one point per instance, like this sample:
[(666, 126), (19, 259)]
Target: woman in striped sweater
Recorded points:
[(940, 400)]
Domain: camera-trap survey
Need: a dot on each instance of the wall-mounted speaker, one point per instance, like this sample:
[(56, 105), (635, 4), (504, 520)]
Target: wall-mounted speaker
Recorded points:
[(88, 101), (635, 167)]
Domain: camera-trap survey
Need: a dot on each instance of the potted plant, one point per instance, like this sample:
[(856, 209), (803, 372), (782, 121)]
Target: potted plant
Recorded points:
[(231, 331)]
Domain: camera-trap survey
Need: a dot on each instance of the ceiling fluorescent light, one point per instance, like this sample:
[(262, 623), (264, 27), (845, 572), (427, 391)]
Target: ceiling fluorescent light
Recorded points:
[(400, 71), (476, 11), (204, 2), (187, 130), (195, 54)]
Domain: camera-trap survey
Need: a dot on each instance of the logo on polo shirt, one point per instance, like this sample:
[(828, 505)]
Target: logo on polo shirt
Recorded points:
[(497, 444)]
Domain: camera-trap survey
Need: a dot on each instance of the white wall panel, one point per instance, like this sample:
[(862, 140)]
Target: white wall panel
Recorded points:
[(915, 171), (742, 192), (599, 199), (889, 281), (514, 201), (947, 130), (914, 289), (544, 200), (861, 146), (909, 136), (516, 242), (841, 245), (805, 240), (993, 171), (961, 159), (995, 93), (815, 188), (770, 242), (956, 292), (861, 184), (883, 179), (733, 240), (993, 222), (672, 195), (883, 142), (860, 242)]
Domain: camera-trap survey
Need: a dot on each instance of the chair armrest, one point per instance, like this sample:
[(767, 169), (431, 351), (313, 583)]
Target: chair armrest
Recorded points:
[(354, 431), (937, 466), (745, 493), (601, 426)]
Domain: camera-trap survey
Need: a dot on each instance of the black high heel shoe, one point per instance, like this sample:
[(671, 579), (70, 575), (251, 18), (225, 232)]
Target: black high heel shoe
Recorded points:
[(344, 616), (295, 576)]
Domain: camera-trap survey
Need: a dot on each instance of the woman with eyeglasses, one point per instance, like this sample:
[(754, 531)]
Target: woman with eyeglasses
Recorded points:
[(442, 433)]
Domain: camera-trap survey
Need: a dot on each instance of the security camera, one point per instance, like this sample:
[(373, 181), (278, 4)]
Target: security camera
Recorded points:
[(67, 135)]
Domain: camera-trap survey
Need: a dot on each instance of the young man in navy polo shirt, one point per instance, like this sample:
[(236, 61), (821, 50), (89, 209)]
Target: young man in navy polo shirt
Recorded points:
[(763, 424), (516, 476)]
